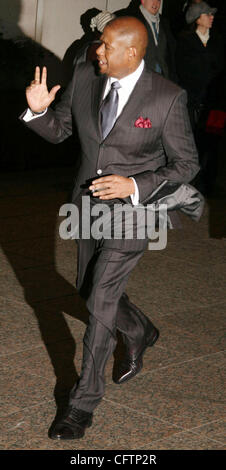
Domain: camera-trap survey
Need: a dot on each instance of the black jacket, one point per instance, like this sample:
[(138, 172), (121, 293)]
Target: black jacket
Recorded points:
[(198, 65), (164, 52)]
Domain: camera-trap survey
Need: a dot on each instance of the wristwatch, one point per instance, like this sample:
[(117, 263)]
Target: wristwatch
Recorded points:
[(34, 113)]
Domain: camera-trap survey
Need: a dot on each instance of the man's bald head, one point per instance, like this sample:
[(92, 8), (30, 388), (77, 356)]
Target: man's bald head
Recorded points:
[(124, 41), (132, 31)]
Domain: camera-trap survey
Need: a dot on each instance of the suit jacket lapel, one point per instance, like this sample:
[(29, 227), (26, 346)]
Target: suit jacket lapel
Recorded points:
[(98, 88), (138, 98)]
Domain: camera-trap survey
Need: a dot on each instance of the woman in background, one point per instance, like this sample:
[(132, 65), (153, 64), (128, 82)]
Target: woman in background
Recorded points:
[(199, 61)]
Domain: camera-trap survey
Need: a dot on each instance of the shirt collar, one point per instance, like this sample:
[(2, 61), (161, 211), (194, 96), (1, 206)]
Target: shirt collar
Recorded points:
[(131, 79)]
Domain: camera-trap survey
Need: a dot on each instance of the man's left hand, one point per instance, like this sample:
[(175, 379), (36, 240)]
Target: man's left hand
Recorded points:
[(112, 187)]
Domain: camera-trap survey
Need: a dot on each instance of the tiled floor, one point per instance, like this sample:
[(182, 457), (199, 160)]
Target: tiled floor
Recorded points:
[(177, 400)]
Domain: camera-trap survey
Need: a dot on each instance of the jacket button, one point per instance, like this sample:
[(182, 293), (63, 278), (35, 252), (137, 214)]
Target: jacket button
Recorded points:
[(99, 172)]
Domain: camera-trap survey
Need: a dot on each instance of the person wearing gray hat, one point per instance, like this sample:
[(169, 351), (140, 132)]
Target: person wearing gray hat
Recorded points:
[(197, 9), (199, 56), (83, 50), (178, 21), (200, 59)]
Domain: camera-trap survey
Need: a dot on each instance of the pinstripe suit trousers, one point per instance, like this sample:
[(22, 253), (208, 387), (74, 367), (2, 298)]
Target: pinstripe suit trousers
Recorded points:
[(106, 265)]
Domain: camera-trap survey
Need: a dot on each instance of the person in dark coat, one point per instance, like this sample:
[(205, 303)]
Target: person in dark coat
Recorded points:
[(199, 56), (160, 53), (85, 48), (200, 59)]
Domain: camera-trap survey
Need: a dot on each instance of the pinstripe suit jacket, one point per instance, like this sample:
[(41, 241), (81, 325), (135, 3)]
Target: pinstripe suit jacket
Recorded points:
[(166, 151)]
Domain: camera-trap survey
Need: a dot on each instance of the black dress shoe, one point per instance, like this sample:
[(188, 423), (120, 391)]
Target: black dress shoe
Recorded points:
[(132, 363), (72, 425)]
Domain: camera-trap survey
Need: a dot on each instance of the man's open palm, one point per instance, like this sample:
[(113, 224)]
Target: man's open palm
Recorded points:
[(37, 94)]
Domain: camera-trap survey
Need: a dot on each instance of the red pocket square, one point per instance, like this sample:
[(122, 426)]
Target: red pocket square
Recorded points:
[(141, 122)]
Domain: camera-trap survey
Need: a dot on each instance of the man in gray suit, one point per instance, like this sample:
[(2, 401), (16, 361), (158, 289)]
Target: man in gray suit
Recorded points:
[(135, 134)]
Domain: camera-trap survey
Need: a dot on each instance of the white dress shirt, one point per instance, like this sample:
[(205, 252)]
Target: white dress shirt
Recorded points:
[(29, 115), (127, 85)]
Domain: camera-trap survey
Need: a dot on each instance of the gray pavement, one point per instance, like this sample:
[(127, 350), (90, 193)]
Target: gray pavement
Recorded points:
[(177, 401)]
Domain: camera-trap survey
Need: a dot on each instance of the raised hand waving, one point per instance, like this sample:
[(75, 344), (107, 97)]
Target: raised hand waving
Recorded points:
[(37, 94)]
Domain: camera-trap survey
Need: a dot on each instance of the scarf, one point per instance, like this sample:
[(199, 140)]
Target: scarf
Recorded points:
[(151, 19), (204, 37)]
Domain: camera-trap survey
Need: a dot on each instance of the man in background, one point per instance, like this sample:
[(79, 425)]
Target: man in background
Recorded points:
[(160, 53)]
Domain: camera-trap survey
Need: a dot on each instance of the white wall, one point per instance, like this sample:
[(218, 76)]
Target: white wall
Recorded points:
[(18, 17), (61, 21), (53, 23), (28, 17), (114, 5)]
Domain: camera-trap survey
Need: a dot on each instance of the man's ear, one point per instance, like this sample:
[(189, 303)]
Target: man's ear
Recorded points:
[(132, 52)]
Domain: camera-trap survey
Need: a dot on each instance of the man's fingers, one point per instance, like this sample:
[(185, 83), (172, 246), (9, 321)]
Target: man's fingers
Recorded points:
[(44, 76), (104, 179), (103, 192), (54, 90), (112, 186), (110, 196), (101, 189), (105, 196), (102, 183), (37, 75)]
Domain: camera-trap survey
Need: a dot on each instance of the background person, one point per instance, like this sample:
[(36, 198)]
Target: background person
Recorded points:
[(200, 59), (160, 53), (93, 23), (179, 23)]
